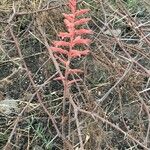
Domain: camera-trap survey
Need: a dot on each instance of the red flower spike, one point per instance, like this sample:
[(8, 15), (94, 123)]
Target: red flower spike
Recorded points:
[(81, 12), (70, 39), (59, 50), (82, 21)]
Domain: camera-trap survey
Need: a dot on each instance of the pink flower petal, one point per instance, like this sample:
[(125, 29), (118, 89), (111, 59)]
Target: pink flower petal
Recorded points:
[(74, 53), (72, 5), (79, 40), (82, 21), (81, 12), (69, 17), (85, 52), (64, 35), (61, 43), (68, 24), (83, 31)]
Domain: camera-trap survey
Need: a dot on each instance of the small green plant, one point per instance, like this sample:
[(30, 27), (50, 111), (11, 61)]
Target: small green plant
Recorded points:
[(3, 138), (40, 134), (131, 3)]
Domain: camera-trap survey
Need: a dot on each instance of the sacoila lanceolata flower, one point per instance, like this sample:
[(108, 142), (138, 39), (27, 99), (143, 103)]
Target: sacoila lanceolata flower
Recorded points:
[(71, 41)]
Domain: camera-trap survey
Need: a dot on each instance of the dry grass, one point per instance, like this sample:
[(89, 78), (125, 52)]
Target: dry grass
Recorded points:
[(111, 107)]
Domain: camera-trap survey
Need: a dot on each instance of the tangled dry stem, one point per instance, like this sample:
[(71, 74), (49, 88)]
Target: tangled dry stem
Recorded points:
[(122, 68)]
